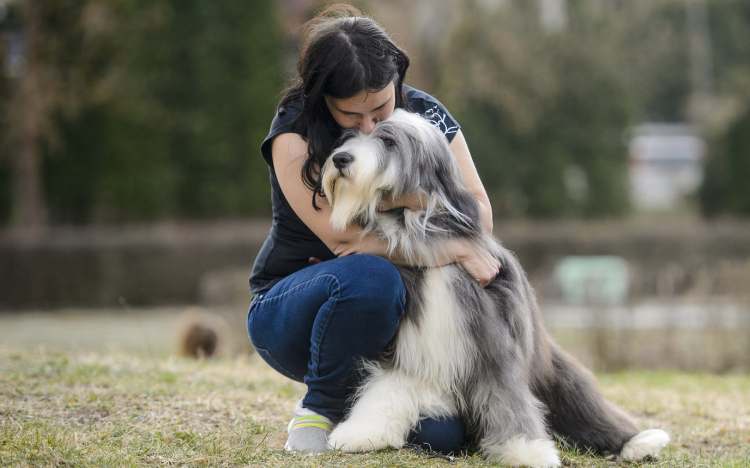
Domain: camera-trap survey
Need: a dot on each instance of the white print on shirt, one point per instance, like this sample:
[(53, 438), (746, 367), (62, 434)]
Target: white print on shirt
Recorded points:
[(438, 119)]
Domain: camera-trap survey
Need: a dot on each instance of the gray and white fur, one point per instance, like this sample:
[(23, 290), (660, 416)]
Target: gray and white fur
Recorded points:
[(481, 353)]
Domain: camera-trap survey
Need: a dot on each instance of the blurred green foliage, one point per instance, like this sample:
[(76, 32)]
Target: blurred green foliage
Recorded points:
[(726, 188), (160, 107), (155, 109), (547, 113)]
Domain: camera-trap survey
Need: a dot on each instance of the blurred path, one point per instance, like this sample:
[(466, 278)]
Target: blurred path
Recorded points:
[(142, 331), (652, 315), (710, 336)]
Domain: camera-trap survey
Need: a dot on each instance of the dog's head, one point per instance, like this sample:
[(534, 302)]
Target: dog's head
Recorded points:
[(403, 155)]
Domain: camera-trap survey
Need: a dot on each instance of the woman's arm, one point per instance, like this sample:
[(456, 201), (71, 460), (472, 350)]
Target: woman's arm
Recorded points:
[(289, 153), (471, 177)]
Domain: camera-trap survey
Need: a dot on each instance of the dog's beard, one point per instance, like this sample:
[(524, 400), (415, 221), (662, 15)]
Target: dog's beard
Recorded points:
[(353, 201)]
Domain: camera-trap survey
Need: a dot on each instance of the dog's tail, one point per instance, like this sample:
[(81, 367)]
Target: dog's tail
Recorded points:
[(581, 416)]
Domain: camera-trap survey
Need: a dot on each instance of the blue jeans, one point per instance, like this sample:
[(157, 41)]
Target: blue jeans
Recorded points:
[(314, 325)]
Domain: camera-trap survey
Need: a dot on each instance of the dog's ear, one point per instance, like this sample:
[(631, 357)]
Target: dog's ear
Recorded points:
[(445, 183), (462, 204)]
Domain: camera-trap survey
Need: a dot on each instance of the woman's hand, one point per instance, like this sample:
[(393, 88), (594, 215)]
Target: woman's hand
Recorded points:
[(478, 263)]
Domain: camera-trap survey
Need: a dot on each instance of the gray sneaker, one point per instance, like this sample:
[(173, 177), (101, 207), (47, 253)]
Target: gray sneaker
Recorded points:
[(308, 431)]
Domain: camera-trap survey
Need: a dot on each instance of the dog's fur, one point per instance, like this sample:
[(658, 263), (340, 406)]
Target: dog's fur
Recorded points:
[(460, 349)]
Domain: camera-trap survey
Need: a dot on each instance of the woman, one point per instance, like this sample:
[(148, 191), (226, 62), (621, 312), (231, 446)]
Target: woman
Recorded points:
[(318, 309)]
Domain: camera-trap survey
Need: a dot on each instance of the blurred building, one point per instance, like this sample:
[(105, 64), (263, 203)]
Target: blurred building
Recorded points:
[(553, 15), (666, 165)]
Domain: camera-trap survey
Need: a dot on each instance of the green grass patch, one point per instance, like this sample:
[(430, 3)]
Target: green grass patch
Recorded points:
[(67, 409)]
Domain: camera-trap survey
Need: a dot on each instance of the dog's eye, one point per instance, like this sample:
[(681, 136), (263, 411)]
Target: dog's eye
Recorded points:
[(388, 142)]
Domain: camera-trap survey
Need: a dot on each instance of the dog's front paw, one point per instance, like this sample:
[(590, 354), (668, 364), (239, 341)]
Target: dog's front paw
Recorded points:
[(520, 451), (351, 436)]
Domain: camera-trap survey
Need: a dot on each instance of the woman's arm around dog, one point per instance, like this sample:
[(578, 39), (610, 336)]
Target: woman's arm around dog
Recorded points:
[(289, 153)]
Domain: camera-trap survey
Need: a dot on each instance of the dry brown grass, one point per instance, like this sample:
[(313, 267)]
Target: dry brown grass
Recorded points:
[(86, 409)]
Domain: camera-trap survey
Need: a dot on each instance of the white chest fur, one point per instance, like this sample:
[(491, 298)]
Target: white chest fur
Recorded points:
[(435, 348)]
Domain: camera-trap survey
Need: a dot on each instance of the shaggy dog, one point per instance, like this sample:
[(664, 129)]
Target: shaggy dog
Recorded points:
[(481, 353)]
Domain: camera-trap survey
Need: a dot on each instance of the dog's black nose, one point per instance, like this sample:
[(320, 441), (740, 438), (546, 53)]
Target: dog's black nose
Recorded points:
[(341, 160)]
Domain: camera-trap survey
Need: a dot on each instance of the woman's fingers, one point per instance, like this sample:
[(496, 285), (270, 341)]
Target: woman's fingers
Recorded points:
[(481, 265)]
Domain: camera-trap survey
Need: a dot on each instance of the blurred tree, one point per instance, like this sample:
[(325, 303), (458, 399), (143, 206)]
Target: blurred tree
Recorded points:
[(545, 114), (730, 39), (158, 108), (30, 212), (195, 88), (46, 80), (650, 42), (10, 33), (152, 109), (726, 189), (27, 104), (546, 110)]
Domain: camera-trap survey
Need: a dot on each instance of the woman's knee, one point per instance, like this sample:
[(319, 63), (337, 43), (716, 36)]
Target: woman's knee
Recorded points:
[(374, 280), (443, 435)]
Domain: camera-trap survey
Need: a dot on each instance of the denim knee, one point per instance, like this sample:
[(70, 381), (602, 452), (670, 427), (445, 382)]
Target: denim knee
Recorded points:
[(375, 282), (442, 435)]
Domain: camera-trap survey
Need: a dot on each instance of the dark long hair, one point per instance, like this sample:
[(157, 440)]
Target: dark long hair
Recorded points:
[(342, 53)]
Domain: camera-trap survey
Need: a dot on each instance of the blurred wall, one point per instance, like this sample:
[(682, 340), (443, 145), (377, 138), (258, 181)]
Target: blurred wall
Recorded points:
[(181, 263)]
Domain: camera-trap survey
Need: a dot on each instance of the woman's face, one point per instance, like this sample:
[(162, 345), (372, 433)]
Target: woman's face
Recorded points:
[(363, 110)]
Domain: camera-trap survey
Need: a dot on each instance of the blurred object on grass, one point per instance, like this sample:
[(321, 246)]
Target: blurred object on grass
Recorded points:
[(203, 335), (226, 293)]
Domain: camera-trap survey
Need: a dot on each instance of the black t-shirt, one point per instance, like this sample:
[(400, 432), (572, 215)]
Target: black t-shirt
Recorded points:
[(291, 244)]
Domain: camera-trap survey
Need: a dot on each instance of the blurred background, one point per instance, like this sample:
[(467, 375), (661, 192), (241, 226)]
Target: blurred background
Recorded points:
[(613, 138)]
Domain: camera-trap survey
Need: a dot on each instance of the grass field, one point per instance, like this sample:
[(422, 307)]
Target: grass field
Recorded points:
[(85, 409)]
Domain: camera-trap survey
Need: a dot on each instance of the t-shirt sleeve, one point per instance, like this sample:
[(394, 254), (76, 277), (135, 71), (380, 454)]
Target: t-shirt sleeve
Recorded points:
[(434, 111), (282, 123)]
